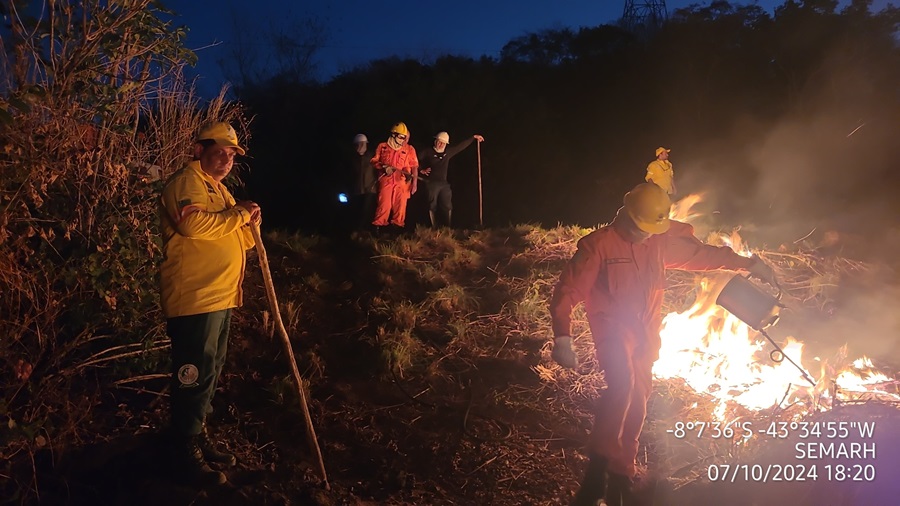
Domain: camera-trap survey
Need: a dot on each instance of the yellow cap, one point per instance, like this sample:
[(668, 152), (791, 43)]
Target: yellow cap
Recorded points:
[(400, 128), (660, 150), (648, 207), (223, 134)]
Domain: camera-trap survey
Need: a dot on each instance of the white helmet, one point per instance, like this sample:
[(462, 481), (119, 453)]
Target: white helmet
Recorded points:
[(443, 137), (360, 138)]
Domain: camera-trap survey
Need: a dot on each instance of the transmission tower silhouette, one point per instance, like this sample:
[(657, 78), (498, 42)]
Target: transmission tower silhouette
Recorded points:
[(644, 16)]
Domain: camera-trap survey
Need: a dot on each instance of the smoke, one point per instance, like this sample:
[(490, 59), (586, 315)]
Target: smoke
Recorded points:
[(863, 317), (825, 168), (821, 176)]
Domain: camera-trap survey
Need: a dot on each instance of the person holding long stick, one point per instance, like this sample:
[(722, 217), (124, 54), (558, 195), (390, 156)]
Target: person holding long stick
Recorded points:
[(435, 164), (205, 237)]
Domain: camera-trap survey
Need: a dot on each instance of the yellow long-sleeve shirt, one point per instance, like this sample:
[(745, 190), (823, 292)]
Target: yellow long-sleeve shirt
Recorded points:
[(660, 173), (204, 240)]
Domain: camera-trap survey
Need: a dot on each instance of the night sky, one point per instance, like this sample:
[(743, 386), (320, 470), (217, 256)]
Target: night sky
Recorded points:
[(360, 31)]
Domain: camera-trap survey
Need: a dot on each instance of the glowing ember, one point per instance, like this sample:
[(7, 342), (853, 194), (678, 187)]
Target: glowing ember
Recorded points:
[(718, 355)]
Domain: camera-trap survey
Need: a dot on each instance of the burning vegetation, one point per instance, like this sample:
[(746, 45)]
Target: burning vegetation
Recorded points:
[(426, 357), (726, 393)]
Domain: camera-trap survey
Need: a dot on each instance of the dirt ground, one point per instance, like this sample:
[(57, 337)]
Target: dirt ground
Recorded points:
[(416, 399)]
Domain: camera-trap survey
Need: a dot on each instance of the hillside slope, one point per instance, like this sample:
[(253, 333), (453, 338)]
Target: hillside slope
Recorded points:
[(427, 365)]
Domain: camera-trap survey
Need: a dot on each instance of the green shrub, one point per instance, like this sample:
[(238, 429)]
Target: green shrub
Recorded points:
[(93, 96)]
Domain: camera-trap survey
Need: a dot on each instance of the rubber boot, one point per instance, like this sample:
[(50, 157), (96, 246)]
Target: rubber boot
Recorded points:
[(593, 486), (619, 492), (449, 216), (211, 454), (189, 468), (431, 217)]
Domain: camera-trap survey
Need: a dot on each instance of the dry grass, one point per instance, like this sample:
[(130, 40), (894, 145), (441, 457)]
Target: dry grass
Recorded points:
[(452, 299), (423, 343), (294, 242), (524, 280)]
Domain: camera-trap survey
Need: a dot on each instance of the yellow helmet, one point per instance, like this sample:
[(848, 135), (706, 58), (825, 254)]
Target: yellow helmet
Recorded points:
[(400, 128), (648, 207)]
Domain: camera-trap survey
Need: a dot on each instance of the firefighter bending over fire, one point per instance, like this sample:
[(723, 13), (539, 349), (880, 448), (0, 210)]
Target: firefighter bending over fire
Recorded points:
[(398, 173), (619, 272), (660, 171)]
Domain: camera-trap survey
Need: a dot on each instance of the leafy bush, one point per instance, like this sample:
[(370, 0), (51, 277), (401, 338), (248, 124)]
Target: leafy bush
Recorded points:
[(93, 98)]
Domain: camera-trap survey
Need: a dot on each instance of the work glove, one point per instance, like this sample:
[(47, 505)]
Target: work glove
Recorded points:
[(389, 170), (563, 353), (761, 270)]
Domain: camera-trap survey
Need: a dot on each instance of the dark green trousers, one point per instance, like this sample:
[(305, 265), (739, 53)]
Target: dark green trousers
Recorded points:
[(199, 343)]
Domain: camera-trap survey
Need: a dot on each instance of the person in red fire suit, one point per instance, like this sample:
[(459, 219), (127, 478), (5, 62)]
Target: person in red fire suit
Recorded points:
[(619, 272), (398, 170)]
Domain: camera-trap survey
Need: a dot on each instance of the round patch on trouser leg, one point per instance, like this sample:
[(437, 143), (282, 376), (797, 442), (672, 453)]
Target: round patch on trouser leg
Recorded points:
[(188, 375)]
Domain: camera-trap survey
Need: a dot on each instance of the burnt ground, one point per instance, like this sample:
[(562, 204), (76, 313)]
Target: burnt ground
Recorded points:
[(428, 383)]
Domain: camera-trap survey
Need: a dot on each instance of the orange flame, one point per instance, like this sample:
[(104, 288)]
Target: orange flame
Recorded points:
[(718, 355)]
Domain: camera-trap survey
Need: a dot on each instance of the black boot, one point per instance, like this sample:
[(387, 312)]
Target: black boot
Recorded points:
[(593, 486), (211, 454), (189, 468), (619, 492)]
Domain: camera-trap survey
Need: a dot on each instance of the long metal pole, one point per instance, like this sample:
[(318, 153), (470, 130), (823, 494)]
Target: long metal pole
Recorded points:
[(289, 351), (480, 195), (780, 350)]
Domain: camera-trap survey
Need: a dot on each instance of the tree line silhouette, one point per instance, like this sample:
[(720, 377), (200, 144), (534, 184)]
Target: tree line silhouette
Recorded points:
[(572, 117)]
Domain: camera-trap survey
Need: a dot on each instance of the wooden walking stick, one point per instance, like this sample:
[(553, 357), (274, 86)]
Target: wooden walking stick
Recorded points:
[(273, 305), (480, 198)]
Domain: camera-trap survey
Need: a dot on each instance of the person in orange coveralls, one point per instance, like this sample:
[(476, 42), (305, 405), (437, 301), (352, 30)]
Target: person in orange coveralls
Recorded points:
[(398, 172), (619, 272)]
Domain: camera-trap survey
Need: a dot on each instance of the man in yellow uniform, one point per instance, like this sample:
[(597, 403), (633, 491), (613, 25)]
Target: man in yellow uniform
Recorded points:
[(205, 235), (660, 172)]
